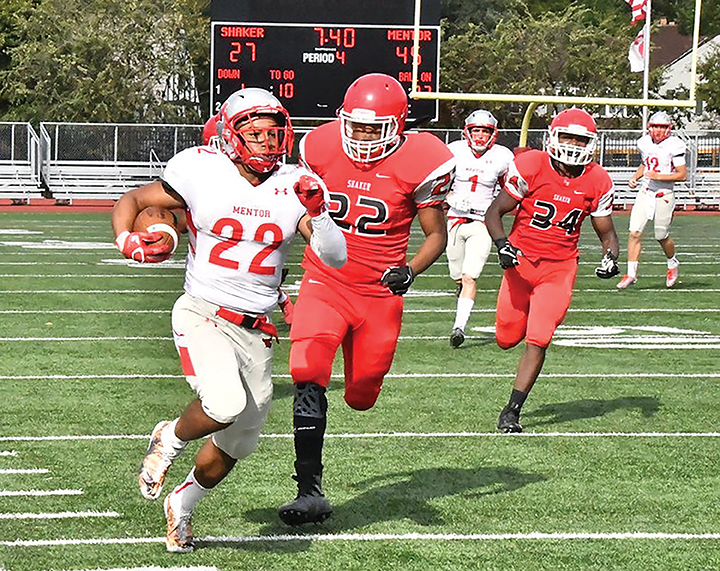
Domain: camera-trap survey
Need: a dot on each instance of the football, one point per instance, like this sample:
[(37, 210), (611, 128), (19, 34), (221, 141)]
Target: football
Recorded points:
[(158, 219)]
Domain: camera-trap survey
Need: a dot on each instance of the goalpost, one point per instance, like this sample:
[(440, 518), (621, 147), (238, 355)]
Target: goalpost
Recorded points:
[(535, 100)]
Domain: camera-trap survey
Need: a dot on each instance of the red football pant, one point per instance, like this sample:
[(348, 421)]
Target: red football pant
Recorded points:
[(367, 327), (533, 300)]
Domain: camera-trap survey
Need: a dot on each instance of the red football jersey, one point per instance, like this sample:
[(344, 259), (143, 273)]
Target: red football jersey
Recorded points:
[(375, 203), (553, 207)]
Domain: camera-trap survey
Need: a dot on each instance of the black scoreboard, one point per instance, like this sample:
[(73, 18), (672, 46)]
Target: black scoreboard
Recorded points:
[(308, 66)]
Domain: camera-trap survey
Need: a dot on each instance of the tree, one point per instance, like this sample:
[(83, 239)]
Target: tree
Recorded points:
[(570, 54), (105, 61), (709, 90)]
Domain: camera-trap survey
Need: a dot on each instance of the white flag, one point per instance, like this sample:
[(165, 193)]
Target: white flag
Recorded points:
[(636, 54)]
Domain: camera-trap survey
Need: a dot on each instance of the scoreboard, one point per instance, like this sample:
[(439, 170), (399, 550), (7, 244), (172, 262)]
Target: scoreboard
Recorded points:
[(308, 66)]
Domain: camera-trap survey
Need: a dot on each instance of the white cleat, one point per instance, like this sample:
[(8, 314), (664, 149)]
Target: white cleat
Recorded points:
[(672, 276), (179, 538), (154, 466), (626, 282)]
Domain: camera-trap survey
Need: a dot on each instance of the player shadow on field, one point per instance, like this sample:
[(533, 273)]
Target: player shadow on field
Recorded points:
[(405, 495), (556, 413)]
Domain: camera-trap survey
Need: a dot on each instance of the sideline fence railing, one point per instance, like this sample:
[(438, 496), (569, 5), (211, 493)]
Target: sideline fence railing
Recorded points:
[(69, 161)]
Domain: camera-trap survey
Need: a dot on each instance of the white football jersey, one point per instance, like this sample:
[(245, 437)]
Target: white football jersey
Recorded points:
[(662, 157), (239, 234), (476, 179)]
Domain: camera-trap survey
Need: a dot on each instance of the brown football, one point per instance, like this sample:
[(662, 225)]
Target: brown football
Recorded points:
[(158, 219)]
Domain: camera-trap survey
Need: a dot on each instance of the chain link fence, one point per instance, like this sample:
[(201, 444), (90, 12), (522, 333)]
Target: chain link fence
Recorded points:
[(89, 160)]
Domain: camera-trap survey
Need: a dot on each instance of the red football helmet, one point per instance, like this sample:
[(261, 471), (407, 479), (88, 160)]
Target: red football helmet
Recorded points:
[(237, 120), (659, 126), (210, 135), (376, 100), (480, 142), (572, 122)]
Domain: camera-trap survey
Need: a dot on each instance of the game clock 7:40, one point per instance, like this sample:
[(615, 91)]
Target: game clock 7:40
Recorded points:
[(309, 66)]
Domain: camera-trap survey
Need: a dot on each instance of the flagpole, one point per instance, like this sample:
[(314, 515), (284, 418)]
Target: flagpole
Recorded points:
[(646, 58)]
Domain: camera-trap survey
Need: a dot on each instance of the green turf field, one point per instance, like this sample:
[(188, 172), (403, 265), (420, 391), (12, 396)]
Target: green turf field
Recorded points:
[(618, 467)]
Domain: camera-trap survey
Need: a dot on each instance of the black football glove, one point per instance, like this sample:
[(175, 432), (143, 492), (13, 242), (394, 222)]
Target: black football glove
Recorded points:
[(507, 253), (608, 266), (398, 279)]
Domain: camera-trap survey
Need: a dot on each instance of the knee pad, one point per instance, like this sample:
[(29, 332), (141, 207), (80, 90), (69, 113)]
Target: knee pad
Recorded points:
[(507, 338), (362, 397), (311, 362)]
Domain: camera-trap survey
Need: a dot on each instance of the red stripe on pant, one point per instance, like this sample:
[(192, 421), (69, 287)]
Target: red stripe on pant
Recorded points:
[(185, 362)]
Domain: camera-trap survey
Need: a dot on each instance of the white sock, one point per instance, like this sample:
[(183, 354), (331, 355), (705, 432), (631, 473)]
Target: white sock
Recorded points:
[(464, 307), (171, 443), (672, 263), (188, 494), (632, 268)]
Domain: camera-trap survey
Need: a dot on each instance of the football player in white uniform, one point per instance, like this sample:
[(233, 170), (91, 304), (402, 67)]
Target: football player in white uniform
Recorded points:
[(663, 164), (481, 169), (243, 209)]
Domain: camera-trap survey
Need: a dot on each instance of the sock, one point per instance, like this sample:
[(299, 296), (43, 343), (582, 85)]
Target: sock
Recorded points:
[(171, 443), (632, 268), (464, 307), (517, 399), (282, 296), (188, 494), (672, 263)]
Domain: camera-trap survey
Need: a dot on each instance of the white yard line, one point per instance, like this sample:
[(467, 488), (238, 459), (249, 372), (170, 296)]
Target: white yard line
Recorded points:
[(459, 375), (151, 568), (24, 471), (58, 515), (526, 434), (411, 294), (406, 310), (39, 493), (534, 536), (8, 453), (645, 342)]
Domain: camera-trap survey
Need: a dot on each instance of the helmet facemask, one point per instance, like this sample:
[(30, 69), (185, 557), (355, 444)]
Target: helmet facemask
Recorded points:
[(568, 153), (368, 150), (250, 141)]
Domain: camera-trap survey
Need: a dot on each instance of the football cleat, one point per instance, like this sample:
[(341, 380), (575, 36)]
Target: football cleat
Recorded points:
[(509, 420), (305, 508), (672, 276), (154, 465), (310, 505), (457, 337), (178, 538), (626, 282)]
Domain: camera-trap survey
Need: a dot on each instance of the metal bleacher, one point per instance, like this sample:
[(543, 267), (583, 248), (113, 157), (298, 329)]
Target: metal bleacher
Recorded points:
[(20, 178), (103, 161), (92, 161)]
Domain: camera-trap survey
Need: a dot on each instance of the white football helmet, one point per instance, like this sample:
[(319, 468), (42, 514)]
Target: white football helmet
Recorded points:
[(237, 116), (373, 99), (572, 122), (210, 135), (659, 126), (480, 142)]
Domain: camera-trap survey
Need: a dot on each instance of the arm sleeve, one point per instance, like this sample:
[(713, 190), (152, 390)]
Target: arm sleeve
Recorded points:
[(328, 241)]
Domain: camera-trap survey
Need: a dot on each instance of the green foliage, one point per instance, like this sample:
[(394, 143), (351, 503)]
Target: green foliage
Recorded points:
[(103, 62), (580, 56), (709, 90)]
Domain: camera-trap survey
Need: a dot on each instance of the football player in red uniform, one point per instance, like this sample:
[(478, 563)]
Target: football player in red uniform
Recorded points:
[(379, 177), (553, 191)]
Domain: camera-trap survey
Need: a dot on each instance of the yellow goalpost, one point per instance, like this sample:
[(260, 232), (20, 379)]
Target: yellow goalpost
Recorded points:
[(535, 100)]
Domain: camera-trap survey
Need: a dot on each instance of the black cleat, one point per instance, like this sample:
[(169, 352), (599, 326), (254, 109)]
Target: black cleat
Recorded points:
[(457, 337), (509, 420), (305, 508)]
